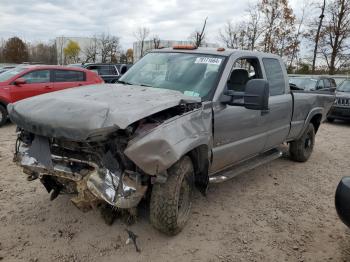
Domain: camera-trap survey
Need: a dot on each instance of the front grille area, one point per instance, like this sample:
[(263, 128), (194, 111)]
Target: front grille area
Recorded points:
[(342, 101)]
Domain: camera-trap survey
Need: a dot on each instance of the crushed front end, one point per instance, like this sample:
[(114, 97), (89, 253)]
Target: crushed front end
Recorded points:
[(95, 172)]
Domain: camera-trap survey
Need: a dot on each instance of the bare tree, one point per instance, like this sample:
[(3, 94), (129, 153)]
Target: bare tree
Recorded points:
[(254, 27), (104, 47), (91, 51), (296, 39), (334, 37), (317, 37), (141, 34), (279, 24), (109, 48), (198, 37), (60, 43), (229, 36), (244, 35), (156, 42), (2, 45), (43, 53)]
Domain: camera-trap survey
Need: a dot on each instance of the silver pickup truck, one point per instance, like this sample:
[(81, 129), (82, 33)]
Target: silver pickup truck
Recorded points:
[(179, 118)]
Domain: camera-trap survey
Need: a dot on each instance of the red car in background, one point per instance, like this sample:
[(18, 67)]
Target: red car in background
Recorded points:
[(31, 80)]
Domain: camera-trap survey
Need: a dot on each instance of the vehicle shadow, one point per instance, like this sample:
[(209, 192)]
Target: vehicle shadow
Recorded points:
[(339, 123)]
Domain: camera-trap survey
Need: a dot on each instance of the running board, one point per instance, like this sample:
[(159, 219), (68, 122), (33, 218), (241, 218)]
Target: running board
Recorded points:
[(245, 166)]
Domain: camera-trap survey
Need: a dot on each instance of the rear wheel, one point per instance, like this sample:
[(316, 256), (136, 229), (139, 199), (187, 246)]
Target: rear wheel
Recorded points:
[(3, 115), (171, 202), (301, 149)]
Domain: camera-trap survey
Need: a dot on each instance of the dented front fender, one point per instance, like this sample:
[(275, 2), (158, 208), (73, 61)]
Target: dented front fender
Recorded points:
[(157, 150)]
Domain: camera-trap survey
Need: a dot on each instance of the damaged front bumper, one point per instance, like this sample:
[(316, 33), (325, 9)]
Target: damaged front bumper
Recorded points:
[(93, 183)]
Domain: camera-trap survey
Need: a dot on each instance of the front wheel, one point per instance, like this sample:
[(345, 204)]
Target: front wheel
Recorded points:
[(3, 115), (300, 150), (171, 202)]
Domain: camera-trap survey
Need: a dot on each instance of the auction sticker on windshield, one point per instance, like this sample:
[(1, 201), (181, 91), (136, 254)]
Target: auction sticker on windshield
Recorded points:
[(208, 60)]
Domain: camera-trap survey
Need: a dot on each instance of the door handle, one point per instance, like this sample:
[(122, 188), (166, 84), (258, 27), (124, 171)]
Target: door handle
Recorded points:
[(48, 87)]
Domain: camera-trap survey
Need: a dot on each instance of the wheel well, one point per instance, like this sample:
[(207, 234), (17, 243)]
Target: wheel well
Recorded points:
[(316, 121), (200, 161), (3, 104)]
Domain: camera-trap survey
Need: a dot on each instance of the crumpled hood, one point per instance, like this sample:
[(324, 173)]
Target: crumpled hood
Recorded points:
[(80, 113)]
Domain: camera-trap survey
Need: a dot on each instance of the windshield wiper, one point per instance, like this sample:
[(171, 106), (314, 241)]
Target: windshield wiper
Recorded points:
[(123, 82), (145, 85)]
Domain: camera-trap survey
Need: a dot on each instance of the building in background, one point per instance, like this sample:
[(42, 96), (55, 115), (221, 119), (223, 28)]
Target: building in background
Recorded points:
[(149, 45), (62, 42)]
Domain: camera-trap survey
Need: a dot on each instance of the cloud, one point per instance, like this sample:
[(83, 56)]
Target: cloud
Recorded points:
[(39, 20)]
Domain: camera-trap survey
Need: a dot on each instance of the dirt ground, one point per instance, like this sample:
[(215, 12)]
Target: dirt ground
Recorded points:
[(283, 211)]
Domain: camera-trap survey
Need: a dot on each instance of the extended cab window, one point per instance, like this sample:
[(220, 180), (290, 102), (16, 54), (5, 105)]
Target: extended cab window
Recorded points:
[(104, 70), (275, 76), (37, 76), (68, 76), (244, 69)]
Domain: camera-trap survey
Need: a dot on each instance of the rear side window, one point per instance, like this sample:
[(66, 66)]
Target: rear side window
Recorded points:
[(37, 76), (275, 76), (68, 76), (103, 70)]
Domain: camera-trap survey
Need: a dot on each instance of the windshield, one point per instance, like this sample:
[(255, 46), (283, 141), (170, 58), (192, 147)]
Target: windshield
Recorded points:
[(305, 83), (11, 73), (345, 86), (191, 74)]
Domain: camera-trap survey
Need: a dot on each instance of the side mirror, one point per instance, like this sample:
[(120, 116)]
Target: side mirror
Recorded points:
[(342, 200), (256, 95), (20, 81)]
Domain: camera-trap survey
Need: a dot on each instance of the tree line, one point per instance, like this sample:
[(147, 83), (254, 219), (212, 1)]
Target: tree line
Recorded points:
[(316, 39), (104, 48)]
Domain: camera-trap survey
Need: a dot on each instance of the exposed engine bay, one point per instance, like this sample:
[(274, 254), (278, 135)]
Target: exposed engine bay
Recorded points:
[(101, 171)]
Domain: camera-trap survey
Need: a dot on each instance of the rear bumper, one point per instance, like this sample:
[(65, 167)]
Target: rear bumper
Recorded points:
[(338, 112)]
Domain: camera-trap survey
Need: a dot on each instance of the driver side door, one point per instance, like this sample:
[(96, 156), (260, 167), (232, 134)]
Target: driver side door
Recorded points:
[(37, 82), (239, 133)]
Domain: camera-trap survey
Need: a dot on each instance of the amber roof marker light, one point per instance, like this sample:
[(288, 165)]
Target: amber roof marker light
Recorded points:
[(185, 47), (220, 49)]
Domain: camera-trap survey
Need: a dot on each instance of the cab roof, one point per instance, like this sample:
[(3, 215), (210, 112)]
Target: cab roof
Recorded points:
[(214, 51)]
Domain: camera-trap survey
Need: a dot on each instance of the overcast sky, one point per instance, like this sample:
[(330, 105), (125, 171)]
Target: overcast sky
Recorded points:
[(41, 20)]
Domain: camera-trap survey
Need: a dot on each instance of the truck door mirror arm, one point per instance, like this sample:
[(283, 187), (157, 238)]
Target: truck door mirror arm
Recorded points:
[(255, 97)]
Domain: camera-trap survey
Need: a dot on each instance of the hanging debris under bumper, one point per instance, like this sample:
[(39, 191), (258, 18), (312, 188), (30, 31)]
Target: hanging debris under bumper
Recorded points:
[(91, 181)]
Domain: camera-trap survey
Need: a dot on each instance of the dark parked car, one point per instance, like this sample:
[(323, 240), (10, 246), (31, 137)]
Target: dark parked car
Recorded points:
[(313, 83), (341, 107), (108, 72)]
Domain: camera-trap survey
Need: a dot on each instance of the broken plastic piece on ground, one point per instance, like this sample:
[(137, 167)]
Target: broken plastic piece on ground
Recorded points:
[(132, 238)]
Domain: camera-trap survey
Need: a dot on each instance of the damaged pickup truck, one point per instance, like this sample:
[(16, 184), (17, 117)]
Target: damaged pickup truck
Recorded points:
[(180, 118)]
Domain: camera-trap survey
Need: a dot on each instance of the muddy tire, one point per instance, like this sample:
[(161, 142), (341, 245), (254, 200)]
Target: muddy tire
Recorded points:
[(3, 115), (330, 119), (300, 150), (171, 202)]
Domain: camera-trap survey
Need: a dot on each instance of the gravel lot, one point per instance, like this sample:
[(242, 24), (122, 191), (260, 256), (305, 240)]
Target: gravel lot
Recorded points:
[(283, 211)]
